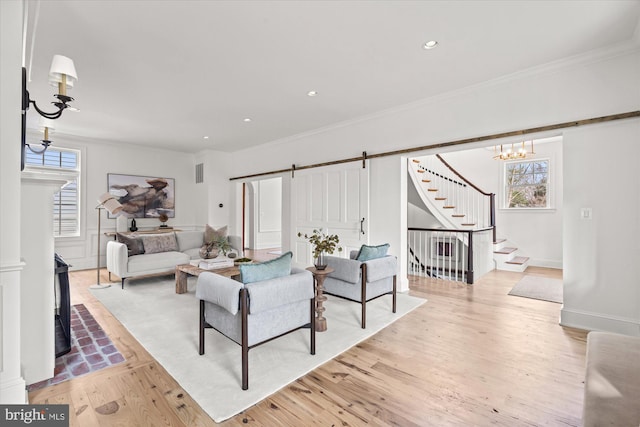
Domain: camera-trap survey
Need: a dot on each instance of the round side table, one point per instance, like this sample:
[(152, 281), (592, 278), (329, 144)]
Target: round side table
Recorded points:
[(318, 276)]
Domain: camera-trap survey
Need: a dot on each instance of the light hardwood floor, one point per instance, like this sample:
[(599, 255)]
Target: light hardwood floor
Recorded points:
[(470, 356)]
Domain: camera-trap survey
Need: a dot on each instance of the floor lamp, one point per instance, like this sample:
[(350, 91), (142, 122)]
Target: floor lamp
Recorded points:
[(106, 201)]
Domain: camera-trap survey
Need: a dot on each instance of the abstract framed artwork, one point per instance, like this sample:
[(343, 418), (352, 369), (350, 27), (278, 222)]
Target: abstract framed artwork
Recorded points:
[(143, 196)]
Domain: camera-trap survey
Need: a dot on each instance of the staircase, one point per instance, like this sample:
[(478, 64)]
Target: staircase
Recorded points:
[(507, 258), (459, 205)]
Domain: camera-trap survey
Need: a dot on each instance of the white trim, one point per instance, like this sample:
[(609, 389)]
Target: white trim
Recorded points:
[(599, 322), (550, 185), (5, 268)]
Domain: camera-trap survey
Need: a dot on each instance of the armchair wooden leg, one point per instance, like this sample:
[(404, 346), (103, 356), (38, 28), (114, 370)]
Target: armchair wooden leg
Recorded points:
[(394, 294), (122, 283), (363, 294), (201, 346), (245, 339), (313, 326)]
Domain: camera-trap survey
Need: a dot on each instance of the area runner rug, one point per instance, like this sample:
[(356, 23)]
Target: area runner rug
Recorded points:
[(542, 288), (166, 324)]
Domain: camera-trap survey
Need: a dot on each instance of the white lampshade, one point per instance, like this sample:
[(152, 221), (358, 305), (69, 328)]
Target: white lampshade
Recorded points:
[(43, 122), (109, 202), (62, 65)]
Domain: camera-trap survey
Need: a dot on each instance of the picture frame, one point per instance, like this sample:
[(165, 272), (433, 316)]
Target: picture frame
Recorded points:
[(143, 196)]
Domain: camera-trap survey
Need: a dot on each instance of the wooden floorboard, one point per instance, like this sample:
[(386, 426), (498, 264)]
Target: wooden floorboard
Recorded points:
[(472, 355)]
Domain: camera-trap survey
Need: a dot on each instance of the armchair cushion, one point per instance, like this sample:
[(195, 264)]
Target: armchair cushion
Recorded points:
[(271, 269), (372, 252), (381, 268), (347, 270), (219, 290), (280, 291)]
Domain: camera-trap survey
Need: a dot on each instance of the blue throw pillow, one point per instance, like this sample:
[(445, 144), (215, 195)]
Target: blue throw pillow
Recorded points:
[(372, 252), (271, 269)]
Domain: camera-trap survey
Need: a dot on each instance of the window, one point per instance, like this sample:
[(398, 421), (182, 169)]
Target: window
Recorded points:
[(66, 208), (527, 184)]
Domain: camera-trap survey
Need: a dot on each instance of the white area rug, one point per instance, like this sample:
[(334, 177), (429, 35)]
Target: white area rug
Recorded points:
[(542, 288), (166, 324)]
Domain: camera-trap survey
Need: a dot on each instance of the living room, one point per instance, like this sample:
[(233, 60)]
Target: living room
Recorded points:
[(599, 261)]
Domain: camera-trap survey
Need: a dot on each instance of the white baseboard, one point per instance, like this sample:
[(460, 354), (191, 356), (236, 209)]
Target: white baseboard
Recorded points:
[(599, 322), (547, 263), (13, 392)]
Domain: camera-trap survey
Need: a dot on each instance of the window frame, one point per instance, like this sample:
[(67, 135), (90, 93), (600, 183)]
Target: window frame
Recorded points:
[(505, 191), (77, 173)]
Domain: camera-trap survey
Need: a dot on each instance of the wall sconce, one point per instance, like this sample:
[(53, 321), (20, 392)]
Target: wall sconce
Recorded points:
[(62, 74)]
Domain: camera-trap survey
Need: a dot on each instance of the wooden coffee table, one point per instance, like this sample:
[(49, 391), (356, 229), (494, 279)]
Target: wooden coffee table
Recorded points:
[(183, 271)]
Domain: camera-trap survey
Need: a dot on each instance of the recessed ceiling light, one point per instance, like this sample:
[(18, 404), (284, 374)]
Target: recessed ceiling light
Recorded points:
[(430, 44), (312, 93), (205, 137), (246, 120)]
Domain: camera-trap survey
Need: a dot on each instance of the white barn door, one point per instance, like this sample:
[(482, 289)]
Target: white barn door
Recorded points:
[(334, 198)]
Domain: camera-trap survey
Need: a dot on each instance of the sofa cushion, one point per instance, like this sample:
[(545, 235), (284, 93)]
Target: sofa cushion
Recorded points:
[(134, 244), (193, 253), (189, 240), (271, 269), (211, 235), (156, 243), (163, 261), (372, 252)]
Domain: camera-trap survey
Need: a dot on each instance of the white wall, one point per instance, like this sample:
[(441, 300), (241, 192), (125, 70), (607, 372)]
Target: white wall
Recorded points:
[(100, 158), (594, 85), (12, 383), (601, 269), (536, 233)]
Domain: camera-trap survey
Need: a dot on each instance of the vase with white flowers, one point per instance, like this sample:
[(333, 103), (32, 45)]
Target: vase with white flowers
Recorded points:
[(322, 243)]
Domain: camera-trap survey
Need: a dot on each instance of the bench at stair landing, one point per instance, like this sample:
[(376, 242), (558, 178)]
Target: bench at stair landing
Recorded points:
[(612, 380)]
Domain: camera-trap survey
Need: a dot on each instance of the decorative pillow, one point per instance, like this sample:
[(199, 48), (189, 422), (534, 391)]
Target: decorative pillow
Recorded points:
[(134, 244), (211, 234), (271, 269), (156, 243), (371, 252)]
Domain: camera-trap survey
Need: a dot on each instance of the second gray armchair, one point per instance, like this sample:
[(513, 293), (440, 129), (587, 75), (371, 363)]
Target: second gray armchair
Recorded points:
[(362, 281)]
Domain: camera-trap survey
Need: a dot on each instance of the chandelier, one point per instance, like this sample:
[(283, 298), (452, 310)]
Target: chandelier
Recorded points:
[(512, 153)]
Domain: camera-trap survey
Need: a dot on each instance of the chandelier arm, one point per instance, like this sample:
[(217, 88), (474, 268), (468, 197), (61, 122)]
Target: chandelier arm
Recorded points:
[(45, 145), (51, 116)]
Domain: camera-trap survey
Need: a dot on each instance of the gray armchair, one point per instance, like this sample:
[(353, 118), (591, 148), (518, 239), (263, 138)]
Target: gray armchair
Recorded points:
[(253, 313), (362, 281)]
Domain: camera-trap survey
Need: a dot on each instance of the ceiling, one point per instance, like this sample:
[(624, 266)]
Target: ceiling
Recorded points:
[(167, 73)]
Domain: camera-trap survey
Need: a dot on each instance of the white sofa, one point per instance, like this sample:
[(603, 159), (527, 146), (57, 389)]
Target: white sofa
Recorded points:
[(188, 247)]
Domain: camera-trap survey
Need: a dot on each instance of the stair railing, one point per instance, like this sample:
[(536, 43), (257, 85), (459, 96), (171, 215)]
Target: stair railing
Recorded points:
[(442, 253), (466, 200), (491, 196)]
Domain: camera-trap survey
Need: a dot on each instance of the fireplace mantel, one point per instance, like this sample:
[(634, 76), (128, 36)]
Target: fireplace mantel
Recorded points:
[(37, 300)]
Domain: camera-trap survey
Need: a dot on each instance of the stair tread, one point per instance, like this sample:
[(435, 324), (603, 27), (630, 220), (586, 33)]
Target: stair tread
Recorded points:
[(505, 251), (448, 207), (426, 180), (458, 215), (432, 189), (499, 241), (469, 224), (441, 198), (518, 260)]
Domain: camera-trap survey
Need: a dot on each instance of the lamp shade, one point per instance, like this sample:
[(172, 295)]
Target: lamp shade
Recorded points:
[(62, 65), (109, 202)]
